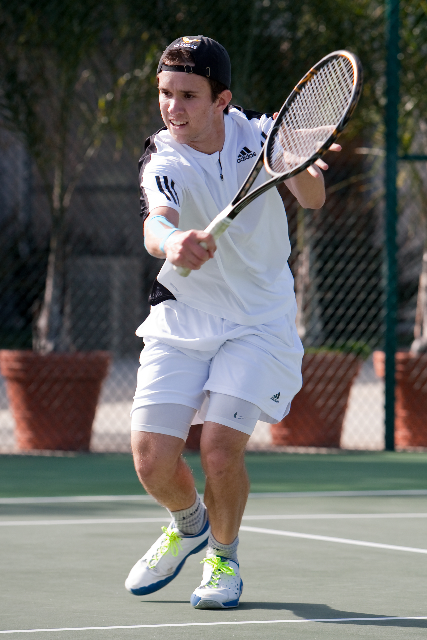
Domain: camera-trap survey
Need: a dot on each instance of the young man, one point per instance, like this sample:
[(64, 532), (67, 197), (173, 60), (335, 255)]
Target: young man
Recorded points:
[(221, 343)]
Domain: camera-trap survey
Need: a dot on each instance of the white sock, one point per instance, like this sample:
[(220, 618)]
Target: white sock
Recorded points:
[(192, 520), (224, 550)]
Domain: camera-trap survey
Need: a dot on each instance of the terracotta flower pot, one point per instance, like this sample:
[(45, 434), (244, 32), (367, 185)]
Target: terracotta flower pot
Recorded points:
[(410, 428), (53, 397), (318, 410)]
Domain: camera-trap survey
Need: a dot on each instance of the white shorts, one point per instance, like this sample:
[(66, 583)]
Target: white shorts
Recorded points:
[(189, 354)]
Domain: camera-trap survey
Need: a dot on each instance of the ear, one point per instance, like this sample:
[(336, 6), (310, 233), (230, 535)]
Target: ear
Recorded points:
[(223, 99)]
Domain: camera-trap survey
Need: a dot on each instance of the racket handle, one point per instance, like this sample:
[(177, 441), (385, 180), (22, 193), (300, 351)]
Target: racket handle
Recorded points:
[(181, 271), (216, 228)]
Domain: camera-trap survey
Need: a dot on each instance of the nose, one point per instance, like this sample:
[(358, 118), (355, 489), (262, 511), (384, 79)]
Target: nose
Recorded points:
[(175, 106)]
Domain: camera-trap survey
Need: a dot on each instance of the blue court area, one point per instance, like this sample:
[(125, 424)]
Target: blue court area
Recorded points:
[(318, 563)]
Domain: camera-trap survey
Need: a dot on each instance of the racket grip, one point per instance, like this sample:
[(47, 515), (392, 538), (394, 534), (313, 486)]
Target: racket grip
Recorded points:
[(216, 228), (181, 271)]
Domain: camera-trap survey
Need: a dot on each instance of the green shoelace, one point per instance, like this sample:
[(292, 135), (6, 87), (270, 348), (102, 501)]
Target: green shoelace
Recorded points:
[(171, 543), (219, 566)]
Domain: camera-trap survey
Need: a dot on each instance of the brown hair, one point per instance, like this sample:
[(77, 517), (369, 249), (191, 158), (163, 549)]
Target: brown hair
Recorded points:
[(183, 57)]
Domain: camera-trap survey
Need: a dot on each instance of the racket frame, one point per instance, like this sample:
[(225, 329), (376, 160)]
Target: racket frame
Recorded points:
[(357, 90), (242, 199)]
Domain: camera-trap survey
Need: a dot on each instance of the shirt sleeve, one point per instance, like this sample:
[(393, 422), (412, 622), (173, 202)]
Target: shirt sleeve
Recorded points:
[(158, 188), (265, 124)]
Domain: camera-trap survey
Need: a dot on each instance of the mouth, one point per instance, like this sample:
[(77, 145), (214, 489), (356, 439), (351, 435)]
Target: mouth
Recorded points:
[(178, 124)]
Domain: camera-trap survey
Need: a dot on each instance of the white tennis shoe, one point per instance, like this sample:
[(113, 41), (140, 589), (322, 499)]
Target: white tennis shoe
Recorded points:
[(221, 585), (164, 560)]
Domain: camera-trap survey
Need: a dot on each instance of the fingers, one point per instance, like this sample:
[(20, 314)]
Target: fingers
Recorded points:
[(275, 114), (190, 249), (314, 171), (207, 242), (322, 164)]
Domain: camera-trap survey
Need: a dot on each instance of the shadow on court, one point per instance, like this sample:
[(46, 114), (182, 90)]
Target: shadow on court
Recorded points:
[(323, 612)]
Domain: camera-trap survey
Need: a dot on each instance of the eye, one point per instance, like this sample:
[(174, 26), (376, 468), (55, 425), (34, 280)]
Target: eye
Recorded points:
[(188, 96)]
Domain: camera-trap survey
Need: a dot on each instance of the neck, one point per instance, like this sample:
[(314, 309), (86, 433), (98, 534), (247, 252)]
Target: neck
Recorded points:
[(212, 141)]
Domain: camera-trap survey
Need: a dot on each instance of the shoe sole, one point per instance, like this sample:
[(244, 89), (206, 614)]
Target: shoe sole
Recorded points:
[(208, 603), (213, 604), (156, 586)]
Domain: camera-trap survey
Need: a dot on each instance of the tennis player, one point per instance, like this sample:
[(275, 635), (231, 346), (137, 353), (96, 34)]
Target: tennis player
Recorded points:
[(221, 347)]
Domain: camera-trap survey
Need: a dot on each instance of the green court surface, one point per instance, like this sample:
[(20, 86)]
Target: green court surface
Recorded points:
[(89, 474), (316, 563)]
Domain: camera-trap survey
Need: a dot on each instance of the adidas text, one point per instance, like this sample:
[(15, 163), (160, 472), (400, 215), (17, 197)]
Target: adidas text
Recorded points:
[(276, 397), (245, 154)]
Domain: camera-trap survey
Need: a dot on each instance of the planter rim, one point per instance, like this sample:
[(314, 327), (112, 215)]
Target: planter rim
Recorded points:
[(29, 353), (29, 365)]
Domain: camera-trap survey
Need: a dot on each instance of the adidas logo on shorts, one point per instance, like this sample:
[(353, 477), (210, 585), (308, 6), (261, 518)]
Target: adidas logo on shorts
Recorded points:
[(245, 154), (276, 397)]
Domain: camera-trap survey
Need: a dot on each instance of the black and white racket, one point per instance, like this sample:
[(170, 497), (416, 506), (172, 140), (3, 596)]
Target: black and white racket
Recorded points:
[(310, 120)]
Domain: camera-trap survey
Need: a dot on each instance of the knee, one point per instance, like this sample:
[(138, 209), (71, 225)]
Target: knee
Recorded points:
[(153, 464), (146, 469), (219, 462)]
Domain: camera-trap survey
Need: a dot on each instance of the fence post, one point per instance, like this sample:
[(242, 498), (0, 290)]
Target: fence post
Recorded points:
[(391, 158)]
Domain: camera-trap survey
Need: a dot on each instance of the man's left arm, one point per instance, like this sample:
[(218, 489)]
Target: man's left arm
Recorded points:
[(308, 187)]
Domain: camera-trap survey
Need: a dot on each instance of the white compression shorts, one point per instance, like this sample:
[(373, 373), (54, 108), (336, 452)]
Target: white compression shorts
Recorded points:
[(190, 355), (175, 419)]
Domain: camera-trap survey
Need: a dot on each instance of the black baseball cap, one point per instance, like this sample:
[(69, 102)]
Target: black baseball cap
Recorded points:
[(210, 57)]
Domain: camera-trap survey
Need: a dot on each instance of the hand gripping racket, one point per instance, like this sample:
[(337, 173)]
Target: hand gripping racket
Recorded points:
[(310, 120)]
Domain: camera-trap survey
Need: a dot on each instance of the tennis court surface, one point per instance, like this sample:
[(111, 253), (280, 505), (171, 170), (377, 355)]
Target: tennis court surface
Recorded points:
[(319, 561)]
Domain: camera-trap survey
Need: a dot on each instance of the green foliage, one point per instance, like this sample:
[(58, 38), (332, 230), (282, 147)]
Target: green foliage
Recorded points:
[(73, 70), (413, 76), (91, 65)]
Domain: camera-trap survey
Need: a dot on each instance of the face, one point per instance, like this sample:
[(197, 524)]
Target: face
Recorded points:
[(188, 111)]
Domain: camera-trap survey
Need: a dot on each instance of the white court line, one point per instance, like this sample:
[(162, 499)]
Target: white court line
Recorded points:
[(316, 516), (291, 494), (69, 521), (307, 536), (72, 499), (341, 494), (335, 516), (216, 624)]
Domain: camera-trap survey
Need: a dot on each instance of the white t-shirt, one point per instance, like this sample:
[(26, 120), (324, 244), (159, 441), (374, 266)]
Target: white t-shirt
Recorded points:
[(248, 281)]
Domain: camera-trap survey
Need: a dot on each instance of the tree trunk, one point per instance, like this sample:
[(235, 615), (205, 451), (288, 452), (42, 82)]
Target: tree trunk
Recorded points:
[(420, 329), (309, 325), (52, 330)]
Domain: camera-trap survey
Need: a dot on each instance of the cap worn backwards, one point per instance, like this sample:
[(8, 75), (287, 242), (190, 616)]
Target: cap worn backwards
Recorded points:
[(210, 57)]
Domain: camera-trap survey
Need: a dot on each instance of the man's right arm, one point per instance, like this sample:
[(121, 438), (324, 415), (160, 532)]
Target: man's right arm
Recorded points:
[(181, 248)]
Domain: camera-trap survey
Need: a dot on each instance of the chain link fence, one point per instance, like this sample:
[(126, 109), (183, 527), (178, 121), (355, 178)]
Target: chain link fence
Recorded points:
[(77, 100)]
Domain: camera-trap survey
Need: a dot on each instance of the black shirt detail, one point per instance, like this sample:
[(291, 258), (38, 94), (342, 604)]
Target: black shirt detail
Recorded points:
[(249, 113), (159, 294), (149, 149)]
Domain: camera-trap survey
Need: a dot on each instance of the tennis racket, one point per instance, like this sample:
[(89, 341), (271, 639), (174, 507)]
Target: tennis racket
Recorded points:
[(308, 123)]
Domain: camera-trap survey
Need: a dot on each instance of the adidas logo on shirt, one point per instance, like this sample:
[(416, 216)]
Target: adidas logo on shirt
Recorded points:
[(276, 397), (245, 154)]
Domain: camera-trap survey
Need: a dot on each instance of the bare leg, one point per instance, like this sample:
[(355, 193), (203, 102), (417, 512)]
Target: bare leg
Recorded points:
[(162, 470), (227, 482)]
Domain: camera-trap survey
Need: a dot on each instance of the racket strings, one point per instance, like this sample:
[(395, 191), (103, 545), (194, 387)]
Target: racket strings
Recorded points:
[(312, 117)]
